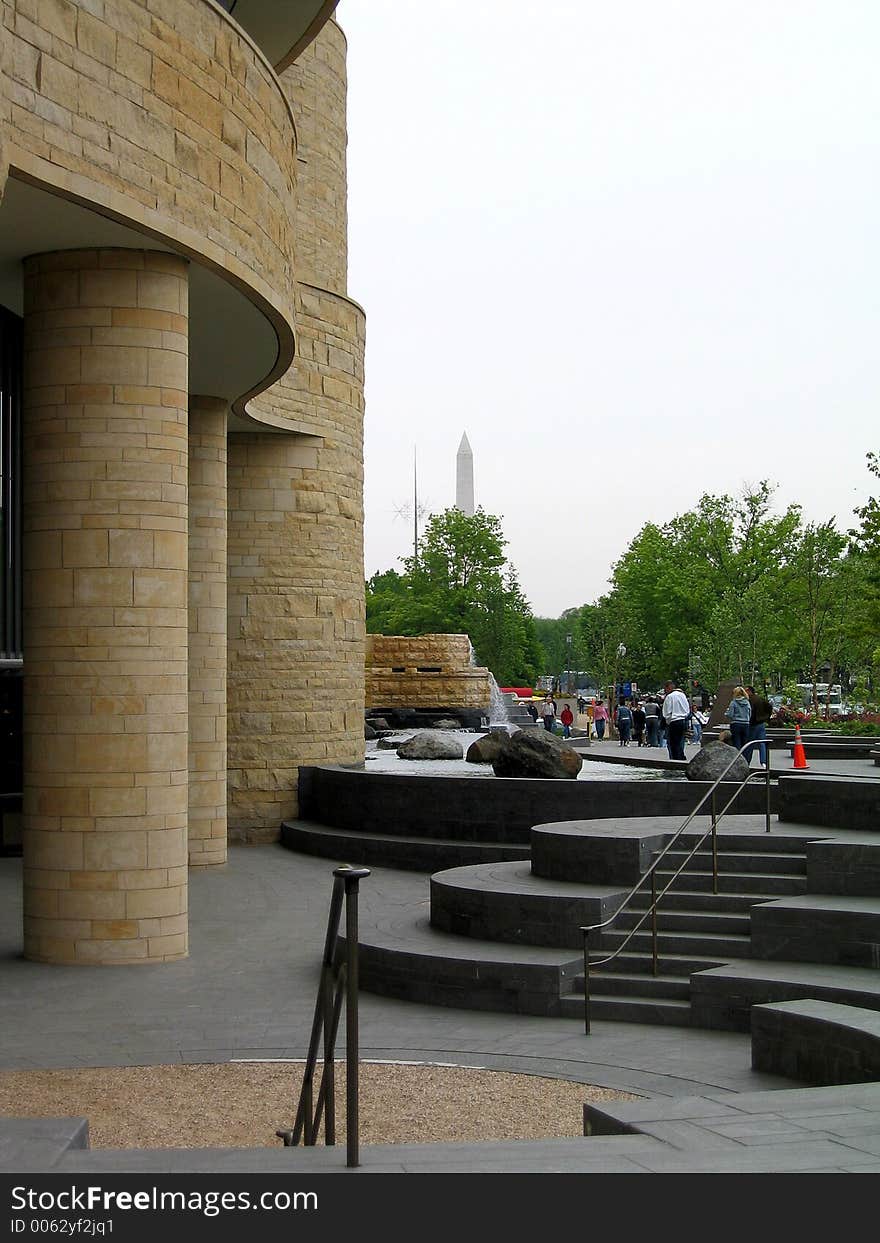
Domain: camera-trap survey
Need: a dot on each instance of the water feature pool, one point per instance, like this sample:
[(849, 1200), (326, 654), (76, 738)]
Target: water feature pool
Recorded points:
[(385, 761)]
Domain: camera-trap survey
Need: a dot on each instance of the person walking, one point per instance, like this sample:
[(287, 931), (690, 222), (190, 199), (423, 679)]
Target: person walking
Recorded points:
[(698, 720), (739, 713), (639, 722), (532, 711), (762, 710), (652, 721), (623, 719), (548, 714), (676, 711), (600, 716), (566, 716)]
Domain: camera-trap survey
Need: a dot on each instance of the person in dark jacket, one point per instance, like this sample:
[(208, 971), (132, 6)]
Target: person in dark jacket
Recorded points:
[(624, 722), (639, 721), (762, 710), (652, 721)]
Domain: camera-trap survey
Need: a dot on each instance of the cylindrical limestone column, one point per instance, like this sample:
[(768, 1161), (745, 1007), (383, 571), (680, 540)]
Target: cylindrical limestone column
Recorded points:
[(105, 627), (207, 630)]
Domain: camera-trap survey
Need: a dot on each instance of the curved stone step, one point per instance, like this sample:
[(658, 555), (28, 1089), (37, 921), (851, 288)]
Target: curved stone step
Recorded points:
[(417, 854), (506, 902), (402, 956)]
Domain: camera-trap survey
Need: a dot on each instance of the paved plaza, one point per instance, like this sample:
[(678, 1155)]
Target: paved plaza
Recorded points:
[(247, 991)]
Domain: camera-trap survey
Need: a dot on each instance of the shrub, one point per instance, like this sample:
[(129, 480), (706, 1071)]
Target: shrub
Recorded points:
[(866, 724)]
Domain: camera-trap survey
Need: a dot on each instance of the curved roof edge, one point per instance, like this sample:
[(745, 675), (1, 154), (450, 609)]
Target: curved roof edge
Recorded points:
[(282, 31)]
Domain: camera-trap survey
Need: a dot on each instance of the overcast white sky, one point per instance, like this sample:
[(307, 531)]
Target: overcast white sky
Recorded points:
[(630, 248)]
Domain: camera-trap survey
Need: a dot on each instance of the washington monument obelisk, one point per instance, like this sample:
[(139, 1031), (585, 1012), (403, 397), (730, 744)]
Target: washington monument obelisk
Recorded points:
[(464, 478)]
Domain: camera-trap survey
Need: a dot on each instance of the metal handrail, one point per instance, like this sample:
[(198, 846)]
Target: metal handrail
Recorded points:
[(338, 980), (652, 870)]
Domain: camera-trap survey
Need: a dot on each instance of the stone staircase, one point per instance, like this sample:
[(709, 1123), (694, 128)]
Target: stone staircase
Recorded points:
[(507, 935), (796, 915), (697, 928)]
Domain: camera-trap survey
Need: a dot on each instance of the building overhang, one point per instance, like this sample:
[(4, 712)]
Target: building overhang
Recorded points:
[(233, 345), (282, 28)]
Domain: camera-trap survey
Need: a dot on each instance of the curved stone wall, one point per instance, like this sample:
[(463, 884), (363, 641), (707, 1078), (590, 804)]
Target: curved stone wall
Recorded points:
[(166, 117), (296, 587), (316, 86)]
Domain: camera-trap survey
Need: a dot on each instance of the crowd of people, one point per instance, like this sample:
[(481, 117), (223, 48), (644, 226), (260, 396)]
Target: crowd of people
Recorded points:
[(666, 720)]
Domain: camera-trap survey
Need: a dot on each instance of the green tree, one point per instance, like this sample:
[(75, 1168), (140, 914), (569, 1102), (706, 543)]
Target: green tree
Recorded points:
[(701, 583), (866, 546), (459, 582)]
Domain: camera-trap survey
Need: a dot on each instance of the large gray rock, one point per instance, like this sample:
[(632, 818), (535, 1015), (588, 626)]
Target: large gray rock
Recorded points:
[(712, 759), (369, 733), (485, 750), (536, 753), (430, 744)]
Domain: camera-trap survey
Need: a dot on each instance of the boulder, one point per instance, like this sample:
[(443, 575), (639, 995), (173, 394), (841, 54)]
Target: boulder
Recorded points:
[(446, 723), (536, 753), (430, 744), (369, 733), (485, 750), (712, 759), (379, 722)]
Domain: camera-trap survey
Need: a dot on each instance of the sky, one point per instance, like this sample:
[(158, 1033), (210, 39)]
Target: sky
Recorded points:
[(632, 250)]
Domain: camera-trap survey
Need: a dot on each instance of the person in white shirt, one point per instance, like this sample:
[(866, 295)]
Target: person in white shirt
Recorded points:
[(676, 711)]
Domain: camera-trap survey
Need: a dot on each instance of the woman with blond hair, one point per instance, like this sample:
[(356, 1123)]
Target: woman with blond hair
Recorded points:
[(739, 713)]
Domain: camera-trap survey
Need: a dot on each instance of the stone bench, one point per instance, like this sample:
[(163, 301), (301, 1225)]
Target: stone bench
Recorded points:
[(818, 1042)]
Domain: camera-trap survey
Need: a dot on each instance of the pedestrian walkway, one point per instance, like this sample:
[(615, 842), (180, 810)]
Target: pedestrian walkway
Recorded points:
[(247, 991), (611, 752)]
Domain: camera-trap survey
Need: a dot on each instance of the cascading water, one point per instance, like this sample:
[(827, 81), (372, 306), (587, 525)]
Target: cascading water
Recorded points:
[(499, 715)]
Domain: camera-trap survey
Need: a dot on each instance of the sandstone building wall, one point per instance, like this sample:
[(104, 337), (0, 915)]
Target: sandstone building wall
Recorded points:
[(193, 558), (296, 586)]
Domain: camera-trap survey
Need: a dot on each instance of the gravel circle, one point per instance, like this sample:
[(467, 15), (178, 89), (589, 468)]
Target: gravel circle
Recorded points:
[(242, 1104)]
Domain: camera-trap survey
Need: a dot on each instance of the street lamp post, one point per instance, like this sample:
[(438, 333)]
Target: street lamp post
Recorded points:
[(568, 662), (621, 652)]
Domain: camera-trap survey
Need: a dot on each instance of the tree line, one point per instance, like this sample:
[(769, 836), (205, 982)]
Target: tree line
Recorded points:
[(727, 589)]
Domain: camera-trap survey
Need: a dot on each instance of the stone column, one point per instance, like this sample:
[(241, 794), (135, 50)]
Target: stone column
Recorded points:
[(105, 593), (207, 630)]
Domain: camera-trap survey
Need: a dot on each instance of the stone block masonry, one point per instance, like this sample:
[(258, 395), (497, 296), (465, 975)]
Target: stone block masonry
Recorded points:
[(296, 584), (424, 671), (105, 599)]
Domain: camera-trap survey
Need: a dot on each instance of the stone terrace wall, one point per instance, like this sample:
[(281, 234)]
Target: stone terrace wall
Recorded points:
[(425, 671)]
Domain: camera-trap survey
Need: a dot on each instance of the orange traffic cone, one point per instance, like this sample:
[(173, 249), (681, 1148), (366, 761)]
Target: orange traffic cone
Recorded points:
[(799, 755)]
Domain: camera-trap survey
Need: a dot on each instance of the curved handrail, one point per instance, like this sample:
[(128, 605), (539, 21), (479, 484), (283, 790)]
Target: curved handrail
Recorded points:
[(652, 870)]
